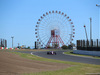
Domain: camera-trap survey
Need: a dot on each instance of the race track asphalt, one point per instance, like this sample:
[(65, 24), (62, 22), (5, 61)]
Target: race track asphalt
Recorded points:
[(61, 56)]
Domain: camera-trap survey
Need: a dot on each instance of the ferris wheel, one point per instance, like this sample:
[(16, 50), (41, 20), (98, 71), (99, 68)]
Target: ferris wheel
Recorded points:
[(54, 27)]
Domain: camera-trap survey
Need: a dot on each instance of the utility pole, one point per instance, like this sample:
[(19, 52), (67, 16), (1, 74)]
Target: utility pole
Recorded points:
[(85, 32), (12, 41)]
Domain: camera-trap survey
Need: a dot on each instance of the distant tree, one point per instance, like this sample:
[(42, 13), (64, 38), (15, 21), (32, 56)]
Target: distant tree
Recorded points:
[(49, 46), (70, 46), (28, 47), (64, 47), (18, 46)]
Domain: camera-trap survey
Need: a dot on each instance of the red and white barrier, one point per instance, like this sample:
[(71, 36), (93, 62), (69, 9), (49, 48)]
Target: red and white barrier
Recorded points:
[(2, 47), (7, 48)]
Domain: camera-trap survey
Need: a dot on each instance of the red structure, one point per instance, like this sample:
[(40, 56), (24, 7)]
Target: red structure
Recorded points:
[(55, 39)]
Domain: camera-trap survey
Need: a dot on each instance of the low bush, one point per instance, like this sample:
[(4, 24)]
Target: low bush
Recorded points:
[(64, 47)]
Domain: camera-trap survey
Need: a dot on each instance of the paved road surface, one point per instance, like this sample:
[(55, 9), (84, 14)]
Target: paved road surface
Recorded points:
[(61, 56)]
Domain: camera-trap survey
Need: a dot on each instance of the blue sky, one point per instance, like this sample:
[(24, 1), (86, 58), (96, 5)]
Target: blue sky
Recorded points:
[(19, 17)]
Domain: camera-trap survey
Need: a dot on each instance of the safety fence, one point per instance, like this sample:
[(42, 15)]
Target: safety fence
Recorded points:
[(89, 45)]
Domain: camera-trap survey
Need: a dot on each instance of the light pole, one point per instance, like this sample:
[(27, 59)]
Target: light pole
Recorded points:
[(12, 41), (90, 28), (98, 7), (18, 44)]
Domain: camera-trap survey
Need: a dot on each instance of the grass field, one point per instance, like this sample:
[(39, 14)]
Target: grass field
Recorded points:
[(76, 69)]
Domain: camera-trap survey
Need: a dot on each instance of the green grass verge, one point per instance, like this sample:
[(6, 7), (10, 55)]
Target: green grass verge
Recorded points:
[(71, 53), (78, 69)]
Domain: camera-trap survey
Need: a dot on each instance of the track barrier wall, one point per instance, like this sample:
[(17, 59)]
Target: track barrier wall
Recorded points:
[(92, 53)]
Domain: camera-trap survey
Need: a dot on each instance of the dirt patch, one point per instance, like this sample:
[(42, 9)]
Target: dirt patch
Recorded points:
[(12, 64)]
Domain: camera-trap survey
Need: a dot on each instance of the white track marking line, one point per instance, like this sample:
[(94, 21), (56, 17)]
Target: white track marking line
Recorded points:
[(34, 54)]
